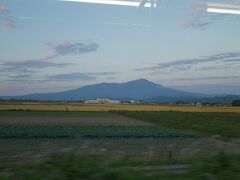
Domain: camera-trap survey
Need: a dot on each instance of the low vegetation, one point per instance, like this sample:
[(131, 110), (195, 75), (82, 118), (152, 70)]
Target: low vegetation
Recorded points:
[(221, 166), (236, 103), (168, 147), (224, 124), (75, 131)]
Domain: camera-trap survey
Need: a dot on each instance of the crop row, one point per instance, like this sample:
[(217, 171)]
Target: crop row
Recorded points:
[(74, 131)]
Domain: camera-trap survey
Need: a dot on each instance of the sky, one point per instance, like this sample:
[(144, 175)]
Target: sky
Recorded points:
[(52, 46)]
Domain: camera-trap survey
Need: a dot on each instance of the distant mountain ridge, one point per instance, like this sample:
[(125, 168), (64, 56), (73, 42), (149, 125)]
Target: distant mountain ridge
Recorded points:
[(137, 89), (140, 89)]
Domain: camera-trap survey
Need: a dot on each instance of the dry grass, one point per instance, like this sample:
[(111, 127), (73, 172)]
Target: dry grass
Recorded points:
[(88, 107)]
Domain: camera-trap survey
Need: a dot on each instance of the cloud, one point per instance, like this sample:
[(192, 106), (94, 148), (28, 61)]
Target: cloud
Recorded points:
[(190, 23), (21, 76), (233, 60), (62, 49), (7, 22), (29, 65), (195, 17), (73, 48), (32, 18), (76, 76), (129, 24), (8, 26), (188, 63), (198, 15), (102, 73), (79, 76), (207, 78), (3, 9), (72, 77), (198, 8), (32, 64)]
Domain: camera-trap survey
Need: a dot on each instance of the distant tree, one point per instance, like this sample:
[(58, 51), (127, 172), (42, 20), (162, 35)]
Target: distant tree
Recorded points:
[(236, 102), (180, 102)]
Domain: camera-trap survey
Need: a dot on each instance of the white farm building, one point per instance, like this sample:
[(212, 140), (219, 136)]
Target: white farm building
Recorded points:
[(102, 101)]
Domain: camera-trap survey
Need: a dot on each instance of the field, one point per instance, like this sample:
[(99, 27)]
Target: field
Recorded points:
[(206, 124), (64, 118), (221, 166), (118, 144), (102, 107)]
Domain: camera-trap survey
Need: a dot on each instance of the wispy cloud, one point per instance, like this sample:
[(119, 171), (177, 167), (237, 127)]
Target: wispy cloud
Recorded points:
[(30, 64), (103, 73), (76, 76), (3, 9), (194, 17), (73, 48), (123, 24), (8, 26), (191, 23), (33, 64), (198, 8), (79, 76), (72, 77), (7, 22), (20, 76), (198, 16), (60, 49), (206, 78), (33, 18), (184, 64)]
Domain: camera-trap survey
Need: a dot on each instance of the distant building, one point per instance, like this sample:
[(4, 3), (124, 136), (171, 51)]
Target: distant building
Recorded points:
[(135, 102), (132, 102), (198, 104), (102, 101)]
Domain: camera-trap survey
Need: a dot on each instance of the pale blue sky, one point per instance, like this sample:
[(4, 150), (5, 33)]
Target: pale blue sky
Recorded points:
[(49, 46)]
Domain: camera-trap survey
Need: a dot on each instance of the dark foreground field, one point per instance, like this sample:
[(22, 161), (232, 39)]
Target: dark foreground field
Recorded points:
[(205, 123), (219, 167), (119, 145)]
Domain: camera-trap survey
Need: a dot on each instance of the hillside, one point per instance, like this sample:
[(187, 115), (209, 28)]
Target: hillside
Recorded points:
[(138, 89)]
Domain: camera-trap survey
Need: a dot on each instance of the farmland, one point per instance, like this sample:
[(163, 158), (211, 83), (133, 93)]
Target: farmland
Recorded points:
[(219, 166), (103, 107), (117, 144), (208, 124), (73, 131)]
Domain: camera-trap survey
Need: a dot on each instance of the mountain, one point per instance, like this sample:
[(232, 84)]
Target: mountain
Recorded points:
[(141, 89)]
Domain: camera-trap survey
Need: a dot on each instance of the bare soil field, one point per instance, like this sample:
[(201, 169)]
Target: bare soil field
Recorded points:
[(117, 120)]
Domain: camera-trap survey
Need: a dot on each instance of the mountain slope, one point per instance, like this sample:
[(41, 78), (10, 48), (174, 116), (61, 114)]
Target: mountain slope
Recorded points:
[(137, 89)]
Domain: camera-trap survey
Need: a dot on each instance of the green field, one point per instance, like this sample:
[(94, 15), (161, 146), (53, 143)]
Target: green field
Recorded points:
[(219, 167), (206, 124), (75, 131), (171, 145)]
